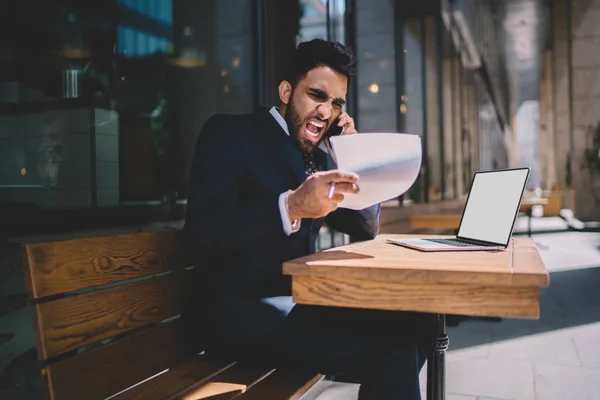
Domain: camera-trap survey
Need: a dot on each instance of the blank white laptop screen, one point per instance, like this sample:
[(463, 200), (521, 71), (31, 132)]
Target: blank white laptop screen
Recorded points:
[(492, 206)]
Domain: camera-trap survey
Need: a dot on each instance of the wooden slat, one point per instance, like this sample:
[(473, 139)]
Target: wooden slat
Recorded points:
[(229, 383), (178, 380), (280, 385), (476, 300), (100, 373), (75, 321), (59, 267)]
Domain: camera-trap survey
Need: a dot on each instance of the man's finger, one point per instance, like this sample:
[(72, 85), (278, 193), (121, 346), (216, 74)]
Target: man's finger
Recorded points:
[(345, 187), (334, 176), (350, 131), (346, 121), (344, 177), (338, 197)]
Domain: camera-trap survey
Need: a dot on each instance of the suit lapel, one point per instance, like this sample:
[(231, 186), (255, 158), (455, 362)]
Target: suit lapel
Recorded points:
[(282, 144)]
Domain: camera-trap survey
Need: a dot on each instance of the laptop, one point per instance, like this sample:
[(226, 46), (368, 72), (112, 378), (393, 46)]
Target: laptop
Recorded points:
[(489, 215)]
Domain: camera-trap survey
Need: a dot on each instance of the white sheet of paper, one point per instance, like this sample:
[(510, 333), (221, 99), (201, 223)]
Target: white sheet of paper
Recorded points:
[(387, 165)]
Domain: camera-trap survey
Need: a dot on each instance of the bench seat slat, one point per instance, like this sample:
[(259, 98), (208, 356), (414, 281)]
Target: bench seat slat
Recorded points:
[(176, 381), (59, 267), (281, 384), (75, 321), (102, 372), (229, 383)]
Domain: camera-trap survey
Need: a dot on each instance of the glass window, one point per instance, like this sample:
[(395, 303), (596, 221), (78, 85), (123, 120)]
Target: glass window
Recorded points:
[(313, 23), (101, 102), (376, 75), (322, 19)]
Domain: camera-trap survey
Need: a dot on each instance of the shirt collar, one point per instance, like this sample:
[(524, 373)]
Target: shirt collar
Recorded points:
[(275, 113)]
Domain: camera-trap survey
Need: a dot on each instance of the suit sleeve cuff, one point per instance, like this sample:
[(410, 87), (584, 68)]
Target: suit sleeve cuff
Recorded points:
[(288, 227)]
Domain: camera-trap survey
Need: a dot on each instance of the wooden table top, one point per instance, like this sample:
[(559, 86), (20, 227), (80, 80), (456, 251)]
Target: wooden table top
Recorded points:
[(379, 275), (519, 265)]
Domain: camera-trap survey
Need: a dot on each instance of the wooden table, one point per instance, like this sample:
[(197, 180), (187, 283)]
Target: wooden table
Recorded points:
[(378, 275)]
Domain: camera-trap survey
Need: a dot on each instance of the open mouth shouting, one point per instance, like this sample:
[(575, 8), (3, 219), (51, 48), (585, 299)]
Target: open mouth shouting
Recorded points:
[(313, 129)]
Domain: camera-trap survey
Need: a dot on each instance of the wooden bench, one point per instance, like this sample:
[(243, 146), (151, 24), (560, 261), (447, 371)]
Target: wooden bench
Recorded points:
[(435, 223), (107, 316)]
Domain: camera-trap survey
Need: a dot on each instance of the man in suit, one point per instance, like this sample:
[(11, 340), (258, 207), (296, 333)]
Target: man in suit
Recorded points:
[(259, 193)]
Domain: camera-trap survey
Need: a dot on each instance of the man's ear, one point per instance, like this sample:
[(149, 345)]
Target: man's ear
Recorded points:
[(285, 91)]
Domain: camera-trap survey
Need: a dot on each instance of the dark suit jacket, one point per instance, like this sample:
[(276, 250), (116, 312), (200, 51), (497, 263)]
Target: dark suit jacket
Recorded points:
[(242, 163)]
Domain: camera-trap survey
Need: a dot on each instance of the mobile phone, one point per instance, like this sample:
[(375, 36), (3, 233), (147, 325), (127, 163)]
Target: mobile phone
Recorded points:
[(334, 129)]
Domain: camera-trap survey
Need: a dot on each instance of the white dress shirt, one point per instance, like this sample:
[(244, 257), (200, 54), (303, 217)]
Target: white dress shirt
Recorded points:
[(288, 227)]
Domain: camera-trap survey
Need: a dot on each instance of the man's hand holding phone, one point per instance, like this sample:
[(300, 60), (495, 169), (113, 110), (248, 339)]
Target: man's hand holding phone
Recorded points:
[(343, 125)]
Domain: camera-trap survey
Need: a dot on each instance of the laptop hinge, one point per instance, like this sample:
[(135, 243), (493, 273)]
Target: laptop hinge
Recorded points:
[(478, 242)]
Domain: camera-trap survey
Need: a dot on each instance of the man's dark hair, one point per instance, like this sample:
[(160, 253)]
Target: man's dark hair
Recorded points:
[(320, 53)]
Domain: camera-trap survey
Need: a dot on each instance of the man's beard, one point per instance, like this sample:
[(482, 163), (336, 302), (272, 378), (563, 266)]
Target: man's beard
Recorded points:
[(296, 126)]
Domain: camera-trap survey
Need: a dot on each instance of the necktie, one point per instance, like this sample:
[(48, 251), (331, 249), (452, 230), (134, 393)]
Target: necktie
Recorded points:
[(309, 164)]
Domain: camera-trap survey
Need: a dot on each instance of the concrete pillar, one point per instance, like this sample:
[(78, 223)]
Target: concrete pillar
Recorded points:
[(458, 103), (471, 124), (449, 112), (514, 102), (433, 120), (473, 104), (562, 106), (585, 69), (546, 130)]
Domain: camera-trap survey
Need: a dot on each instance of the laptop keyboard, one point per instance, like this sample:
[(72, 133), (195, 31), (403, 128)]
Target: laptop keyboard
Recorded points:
[(453, 242)]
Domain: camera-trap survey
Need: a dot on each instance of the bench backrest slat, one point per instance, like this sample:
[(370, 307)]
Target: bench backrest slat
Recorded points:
[(61, 267), (99, 308), (76, 321)]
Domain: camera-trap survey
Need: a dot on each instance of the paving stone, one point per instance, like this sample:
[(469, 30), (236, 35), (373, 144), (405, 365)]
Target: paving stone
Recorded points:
[(485, 377), (451, 396), (490, 398), (588, 350), (470, 343), (554, 382), (334, 391), (587, 331), (550, 348)]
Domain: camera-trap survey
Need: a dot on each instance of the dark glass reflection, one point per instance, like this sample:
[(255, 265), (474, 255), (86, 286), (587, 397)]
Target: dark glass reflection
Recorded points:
[(101, 102)]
